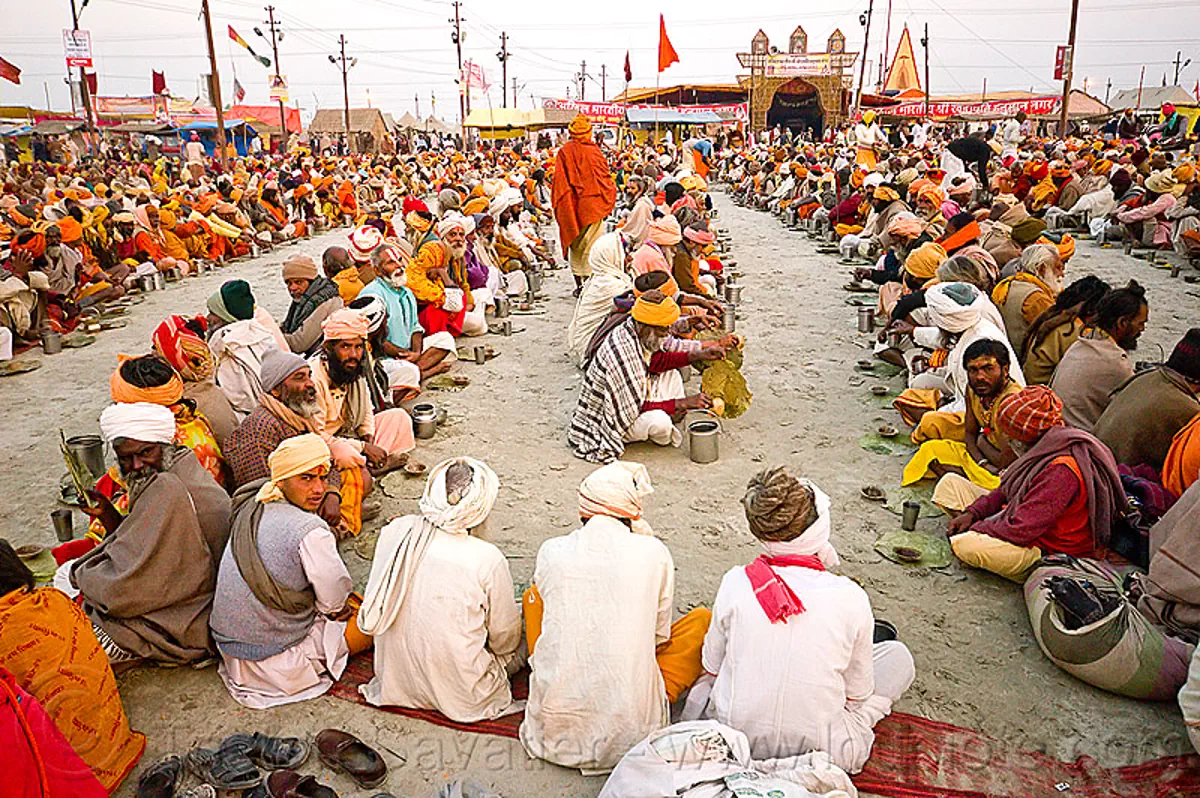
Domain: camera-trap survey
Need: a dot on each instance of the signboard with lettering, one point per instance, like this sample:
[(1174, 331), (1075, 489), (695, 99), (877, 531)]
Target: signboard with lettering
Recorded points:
[(1034, 106), (614, 113), (795, 65), (77, 46)]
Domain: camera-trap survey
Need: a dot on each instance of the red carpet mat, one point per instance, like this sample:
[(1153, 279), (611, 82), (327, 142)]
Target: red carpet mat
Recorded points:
[(912, 757)]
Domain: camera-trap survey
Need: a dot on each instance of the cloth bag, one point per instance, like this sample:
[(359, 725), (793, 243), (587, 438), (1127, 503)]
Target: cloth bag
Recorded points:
[(454, 301)]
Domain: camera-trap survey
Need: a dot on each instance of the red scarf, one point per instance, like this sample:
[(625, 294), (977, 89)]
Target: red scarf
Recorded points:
[(778, 600)]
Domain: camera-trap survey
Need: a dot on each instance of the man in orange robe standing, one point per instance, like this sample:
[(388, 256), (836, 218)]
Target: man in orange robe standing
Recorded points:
[(583, 195)]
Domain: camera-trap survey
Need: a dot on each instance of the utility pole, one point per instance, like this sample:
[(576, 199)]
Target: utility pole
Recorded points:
[(865, 20), (417, 102), (1179, 65), (516, 99), (345, 92), (583, 80), (887, 38), (274, 27), (464, 94), (214, 88), (503, 56), (604, 83), (1069, 69), (84, 92), (1107, 89), (925, 44)]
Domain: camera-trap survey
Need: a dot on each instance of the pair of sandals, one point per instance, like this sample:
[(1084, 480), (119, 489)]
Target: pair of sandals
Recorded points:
[(231, 767), (340, 752)]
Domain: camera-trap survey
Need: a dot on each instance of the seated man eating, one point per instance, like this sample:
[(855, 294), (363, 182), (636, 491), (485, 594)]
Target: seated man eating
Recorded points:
[(148, 586), (1062, 494), (282, 617), (789, 655), (440, 603)]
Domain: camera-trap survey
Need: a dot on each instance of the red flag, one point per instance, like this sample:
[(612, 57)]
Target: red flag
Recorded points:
[(90, 77), (666, 53), (10, 72), (1196, 91), (628, 69), (160, 82)]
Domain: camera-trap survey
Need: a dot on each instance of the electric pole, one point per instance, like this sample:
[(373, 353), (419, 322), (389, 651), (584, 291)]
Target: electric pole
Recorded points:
[(604, 83), (516, 100), (417, 102), (1068, 69), (1179, 65), (274, 28), (583, 80), (214, 88), (464, 93), (925, 44), (84, 92), (1107, 89), (865, 21), (341, 61), (503, 56)]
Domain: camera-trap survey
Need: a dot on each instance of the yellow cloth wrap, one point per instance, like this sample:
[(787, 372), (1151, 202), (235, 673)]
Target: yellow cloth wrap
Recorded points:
[(295, 456), (913, 400), (353, 489), (664, 314), (948, 453), (669, 289), (938, 426), (848, 229), (923, 261), (885, 193), (417, 222)]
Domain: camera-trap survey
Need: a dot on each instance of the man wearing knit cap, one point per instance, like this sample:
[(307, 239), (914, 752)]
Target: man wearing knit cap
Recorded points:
[(148, 589), (1147, 411), (239, 336), (345, 417), (283, 613), (632, 390), (314, 297), (1062, 495), (583, 195)]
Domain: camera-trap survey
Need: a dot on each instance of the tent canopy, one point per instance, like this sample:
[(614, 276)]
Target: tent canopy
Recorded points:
[(667, 116), (493, 118)]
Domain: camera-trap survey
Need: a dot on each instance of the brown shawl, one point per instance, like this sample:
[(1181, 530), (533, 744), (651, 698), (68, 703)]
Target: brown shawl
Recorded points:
[(1171, 597), (150, 583), (1101, 482), (1143, 416)]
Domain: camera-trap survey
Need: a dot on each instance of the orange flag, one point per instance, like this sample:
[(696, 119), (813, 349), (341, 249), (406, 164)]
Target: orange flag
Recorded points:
[(666, 52)]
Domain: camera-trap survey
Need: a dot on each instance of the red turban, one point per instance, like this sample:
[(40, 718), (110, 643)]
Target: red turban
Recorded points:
[(1028, 414)]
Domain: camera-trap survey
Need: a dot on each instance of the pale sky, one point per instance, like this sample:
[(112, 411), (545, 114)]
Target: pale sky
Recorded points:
[(404, 49)]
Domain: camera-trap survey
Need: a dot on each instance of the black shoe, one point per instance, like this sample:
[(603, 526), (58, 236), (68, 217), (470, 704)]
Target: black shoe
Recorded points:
[(161, 779), (225, 769), (270, 753)]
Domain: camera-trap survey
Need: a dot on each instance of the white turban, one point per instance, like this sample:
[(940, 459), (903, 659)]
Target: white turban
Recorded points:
[(468, 224), (452, 221), (616, 490), (471, 508), (497, 206), (954, 307), (139, 421)]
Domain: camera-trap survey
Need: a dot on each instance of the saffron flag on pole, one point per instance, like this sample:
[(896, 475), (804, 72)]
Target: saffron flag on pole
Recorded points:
[(261, 59), (628, 69), (10, 72), (666, 52)]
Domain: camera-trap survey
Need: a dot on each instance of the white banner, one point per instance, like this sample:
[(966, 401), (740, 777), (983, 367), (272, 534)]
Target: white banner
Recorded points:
[(77, 46)]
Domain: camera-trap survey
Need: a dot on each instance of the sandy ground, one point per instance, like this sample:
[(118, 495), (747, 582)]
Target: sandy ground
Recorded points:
[(977, 662)]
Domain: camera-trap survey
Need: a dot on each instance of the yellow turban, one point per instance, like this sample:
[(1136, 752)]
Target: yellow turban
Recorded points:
[(669, 288), (885, 193), (689, 182), (417, 222), (655, 309), (1102, 166), (1066, 247), (869, 117), (580, 127), (297, 455), (474, 206), (1184, 173), (923, 261)]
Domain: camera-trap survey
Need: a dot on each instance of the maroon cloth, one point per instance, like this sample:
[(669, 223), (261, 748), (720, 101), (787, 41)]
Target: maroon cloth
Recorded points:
[(847, 210), (1044, 501), (668, 406), (666, 361), (1102, 483)]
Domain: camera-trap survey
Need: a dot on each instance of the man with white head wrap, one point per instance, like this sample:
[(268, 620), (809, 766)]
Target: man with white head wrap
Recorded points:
[(439, 603), (148, 587), (790, 652), (607, 661), (959, 314), (282, 613), (453, 232)]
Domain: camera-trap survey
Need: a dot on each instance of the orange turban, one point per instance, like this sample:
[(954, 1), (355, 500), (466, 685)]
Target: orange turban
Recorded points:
[(71, 230), (580, 127), (121, 391), (33, 243)]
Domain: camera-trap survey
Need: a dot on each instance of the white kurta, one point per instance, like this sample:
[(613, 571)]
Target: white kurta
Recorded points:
[(309, 668), (806, 684), (457, 633), (596, 689)]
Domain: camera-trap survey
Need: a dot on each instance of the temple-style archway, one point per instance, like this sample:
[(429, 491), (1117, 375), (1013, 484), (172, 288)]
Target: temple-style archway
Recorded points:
[(797, 106)]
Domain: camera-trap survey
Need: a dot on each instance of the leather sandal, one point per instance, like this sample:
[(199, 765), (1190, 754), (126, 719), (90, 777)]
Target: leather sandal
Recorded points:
[(290, 784), (227, 769), (270, 753), (161, 779), (346, 753)]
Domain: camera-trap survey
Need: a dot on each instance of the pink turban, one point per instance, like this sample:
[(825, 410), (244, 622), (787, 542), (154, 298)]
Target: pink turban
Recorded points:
[(345, 325), (665, 231), (649, 259)]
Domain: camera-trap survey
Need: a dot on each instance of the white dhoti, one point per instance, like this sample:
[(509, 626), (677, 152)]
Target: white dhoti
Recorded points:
[(516, 283), (656, 426), (306, 670)]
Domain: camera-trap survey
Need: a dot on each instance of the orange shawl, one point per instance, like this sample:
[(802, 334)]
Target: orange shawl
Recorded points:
[(583, 192)]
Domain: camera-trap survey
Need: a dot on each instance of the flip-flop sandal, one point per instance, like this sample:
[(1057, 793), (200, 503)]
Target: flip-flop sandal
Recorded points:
[(228, 769), (270, 753), (161, 779), (346, 753), (290, 784)]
